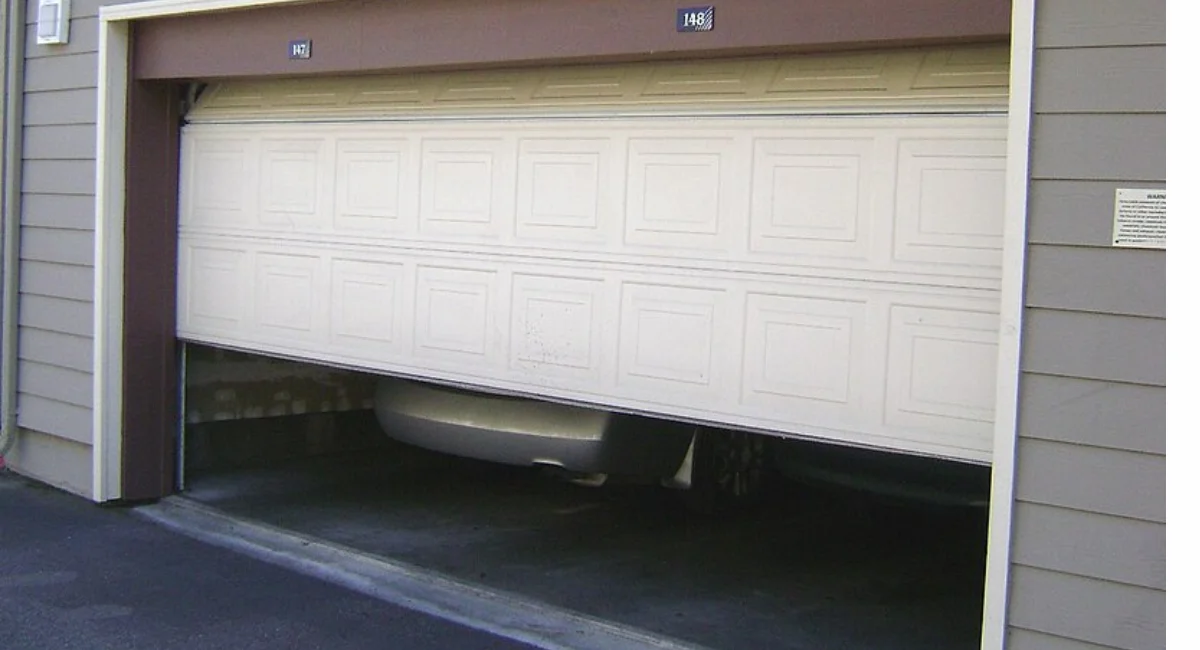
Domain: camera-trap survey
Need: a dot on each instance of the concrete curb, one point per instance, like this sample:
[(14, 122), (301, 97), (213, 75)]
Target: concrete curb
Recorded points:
[(497, 612)]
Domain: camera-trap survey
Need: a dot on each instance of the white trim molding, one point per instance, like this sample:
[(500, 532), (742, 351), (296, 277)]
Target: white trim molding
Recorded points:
[(164, 8), (1012, 300), (109, 255)]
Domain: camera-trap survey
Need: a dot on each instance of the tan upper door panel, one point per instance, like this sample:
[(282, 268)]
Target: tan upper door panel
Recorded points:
[(961, 79)]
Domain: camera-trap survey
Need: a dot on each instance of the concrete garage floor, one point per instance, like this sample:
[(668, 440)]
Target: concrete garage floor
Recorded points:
[(812, 568)]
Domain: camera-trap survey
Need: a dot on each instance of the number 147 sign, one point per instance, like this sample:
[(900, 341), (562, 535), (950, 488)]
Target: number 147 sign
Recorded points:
[(694, 19)]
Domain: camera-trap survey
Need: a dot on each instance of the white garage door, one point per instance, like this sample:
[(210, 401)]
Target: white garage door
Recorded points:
[(804, 245)]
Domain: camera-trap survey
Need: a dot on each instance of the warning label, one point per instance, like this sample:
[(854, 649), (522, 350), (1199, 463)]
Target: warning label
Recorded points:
[(1140, 219)]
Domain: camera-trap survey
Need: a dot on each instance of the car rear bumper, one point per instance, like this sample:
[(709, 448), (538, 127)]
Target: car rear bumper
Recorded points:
[(519, 431)]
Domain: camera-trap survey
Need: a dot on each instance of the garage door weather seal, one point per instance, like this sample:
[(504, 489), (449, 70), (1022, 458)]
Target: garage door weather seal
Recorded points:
[(496, 612)]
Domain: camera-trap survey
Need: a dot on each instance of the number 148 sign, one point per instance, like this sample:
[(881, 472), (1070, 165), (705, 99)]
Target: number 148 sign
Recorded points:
[(694, 19)]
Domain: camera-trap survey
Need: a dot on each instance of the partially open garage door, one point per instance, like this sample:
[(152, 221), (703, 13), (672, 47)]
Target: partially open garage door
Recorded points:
[(804, 245)]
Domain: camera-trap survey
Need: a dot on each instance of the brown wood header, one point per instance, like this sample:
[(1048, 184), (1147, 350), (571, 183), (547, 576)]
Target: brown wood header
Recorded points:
[(380, 35)]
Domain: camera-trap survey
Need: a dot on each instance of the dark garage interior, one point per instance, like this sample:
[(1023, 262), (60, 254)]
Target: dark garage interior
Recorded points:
[(810, 564)]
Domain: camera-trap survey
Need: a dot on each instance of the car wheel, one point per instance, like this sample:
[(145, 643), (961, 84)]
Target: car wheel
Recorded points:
[(729, 471)]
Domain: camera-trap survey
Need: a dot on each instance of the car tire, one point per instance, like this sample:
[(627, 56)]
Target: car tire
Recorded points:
[(730, 472)]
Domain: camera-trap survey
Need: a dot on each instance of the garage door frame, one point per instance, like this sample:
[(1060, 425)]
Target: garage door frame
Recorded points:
[(111, 338)]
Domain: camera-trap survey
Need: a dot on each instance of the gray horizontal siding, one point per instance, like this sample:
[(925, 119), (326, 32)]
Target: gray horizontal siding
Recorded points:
[(1093, 23), (1019, 639), (64, 72), (59, 245), (1075, 213), (56, 349), (1113, 280), (56, 280), (51, 210), (60, 142), (56, 383), (1094, 413), (1095, 346), (84, 37), (1109, 548), (1110, 80), (56, 315), (60, 177), (56, 418), (1089, 548), (1094, 611), (61, 107), (1099, 147), (1090, 479), (79, 8)]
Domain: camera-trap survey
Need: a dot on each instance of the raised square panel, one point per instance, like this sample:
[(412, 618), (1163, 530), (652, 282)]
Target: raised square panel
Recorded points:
[(365, 296), (372, 185), (811, 197), (667, 336), (287, 299), (454, 313), (291, 186), (220, 183), (562, 186), (942, 371), (556, 326), (950, 202), (463, 187), (678, 189), (804, 358), (213, 294)]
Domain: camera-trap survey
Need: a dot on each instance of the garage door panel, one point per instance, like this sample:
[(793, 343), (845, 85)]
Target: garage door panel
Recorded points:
[(466, 187), (558, 328), (807, 353), (565, 190), (213, 295), (574, 188), (826, 276), (367, 299), (812, 196), (685, 194), (291, 296), (219, 183), (950, 201), (942, 370), (670, 341), (375, 193)]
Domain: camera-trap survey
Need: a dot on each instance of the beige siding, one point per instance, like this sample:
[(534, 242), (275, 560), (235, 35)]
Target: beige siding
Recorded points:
[(57, 251), (1088, 552), (54, 460)]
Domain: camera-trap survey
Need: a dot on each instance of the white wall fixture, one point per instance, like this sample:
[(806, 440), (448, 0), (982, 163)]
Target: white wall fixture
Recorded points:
[(53, 22)]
